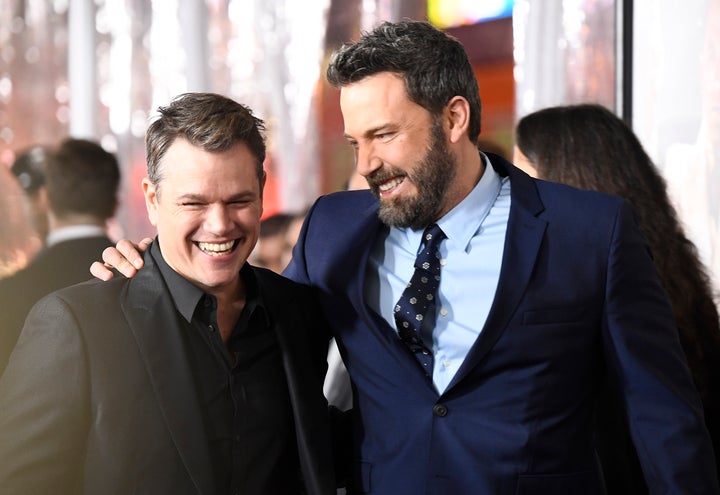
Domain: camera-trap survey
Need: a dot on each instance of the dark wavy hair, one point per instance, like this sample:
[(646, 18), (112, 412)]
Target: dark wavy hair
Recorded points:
[(433, 65), (589, 147), (82, 178), (207, 120)]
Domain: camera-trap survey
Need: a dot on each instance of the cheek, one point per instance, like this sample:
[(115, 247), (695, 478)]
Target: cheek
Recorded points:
[(152, 212), (525, 165), (177, 224), (248, 220), (152, 217)]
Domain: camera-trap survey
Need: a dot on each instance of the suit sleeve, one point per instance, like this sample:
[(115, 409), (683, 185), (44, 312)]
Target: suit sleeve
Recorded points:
[(647, 365), (43, 408)]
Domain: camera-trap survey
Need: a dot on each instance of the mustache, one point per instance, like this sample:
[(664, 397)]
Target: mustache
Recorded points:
[(383, 175)]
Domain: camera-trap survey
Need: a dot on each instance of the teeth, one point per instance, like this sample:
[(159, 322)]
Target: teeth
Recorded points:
[(390, 184), (216, 249)]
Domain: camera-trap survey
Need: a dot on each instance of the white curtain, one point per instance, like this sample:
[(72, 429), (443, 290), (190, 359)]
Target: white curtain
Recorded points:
[(564, 53)]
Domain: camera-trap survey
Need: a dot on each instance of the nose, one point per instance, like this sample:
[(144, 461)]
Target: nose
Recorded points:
[(366, 159), (217, 219)]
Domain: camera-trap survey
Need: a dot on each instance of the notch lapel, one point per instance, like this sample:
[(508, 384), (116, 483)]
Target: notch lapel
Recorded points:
[(525, 232), (155, 323)]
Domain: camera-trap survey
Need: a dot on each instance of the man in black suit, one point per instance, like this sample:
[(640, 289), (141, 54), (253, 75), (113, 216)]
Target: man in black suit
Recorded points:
[(201, 375), (81, 182)]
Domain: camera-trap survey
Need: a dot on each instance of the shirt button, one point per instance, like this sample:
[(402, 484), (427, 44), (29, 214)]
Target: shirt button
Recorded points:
[(440, 410), (446, 362), (443, 262), (443, 312)]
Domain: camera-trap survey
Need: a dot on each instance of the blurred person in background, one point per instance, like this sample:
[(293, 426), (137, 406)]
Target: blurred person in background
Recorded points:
[(29, 169), (81, 186), (291, 236), (589, 147), (18, 242), (273, 247)]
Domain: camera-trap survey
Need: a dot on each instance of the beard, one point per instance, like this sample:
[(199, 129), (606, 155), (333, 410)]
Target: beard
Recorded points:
[(432, 176)]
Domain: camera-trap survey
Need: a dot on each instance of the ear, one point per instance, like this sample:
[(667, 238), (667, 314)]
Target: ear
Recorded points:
[(42, 200), (457, 113), (151, 200)]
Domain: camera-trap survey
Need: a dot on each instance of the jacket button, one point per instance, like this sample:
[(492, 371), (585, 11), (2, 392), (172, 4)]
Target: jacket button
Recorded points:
[(440, 410)]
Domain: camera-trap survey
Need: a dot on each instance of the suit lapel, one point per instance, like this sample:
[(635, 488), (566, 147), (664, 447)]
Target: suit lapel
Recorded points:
[(523, 239), (367, 235), (155, 324), (303, 353)]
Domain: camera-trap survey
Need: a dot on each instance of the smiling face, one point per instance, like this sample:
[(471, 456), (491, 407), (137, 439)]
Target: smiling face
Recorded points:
[(400, 149), (207, 211)]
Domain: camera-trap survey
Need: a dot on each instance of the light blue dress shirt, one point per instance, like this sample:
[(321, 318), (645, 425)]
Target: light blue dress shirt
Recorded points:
[(470, 257)]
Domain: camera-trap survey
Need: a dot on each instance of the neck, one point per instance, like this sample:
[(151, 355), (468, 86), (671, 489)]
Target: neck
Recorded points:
[(72, 220), (230, 303), (470, 168)]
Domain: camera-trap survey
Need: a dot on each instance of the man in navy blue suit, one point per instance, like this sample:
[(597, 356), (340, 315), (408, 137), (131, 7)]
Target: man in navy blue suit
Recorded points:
[(544, 290)]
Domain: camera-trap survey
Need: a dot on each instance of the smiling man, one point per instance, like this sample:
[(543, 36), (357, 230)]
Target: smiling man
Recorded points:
[(201, 375), (541, 291)]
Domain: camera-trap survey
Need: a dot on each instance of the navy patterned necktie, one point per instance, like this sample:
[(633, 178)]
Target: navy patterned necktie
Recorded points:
[(415, 310)]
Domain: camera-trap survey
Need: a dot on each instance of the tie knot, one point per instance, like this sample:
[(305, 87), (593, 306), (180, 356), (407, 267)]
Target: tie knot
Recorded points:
[(428, 259), (432, 236)]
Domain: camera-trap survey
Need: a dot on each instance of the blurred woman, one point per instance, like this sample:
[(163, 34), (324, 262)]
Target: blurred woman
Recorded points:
[(589, 147)]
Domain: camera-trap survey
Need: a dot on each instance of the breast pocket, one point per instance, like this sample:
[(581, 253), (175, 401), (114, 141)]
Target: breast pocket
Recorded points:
[(553, 316)]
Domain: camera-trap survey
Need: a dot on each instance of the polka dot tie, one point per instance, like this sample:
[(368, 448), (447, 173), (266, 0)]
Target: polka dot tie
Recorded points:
[(415, 310)]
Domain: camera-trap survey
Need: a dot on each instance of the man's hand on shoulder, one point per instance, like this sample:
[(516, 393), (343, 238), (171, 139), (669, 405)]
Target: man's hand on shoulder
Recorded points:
[(125, 257)]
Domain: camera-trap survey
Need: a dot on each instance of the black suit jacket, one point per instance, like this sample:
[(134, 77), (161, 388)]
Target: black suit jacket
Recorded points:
[(98, 396), (60, 265)]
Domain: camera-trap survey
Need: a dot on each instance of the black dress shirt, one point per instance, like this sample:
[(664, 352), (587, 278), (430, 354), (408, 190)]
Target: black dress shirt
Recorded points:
[(241, 387)]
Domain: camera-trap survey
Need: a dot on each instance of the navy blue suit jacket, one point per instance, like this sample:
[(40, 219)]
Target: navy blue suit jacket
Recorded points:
[(577, 295)]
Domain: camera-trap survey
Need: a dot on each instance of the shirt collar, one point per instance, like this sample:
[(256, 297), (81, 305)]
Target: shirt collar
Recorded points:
[(187, 296), (462, 222), (63, 234)]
